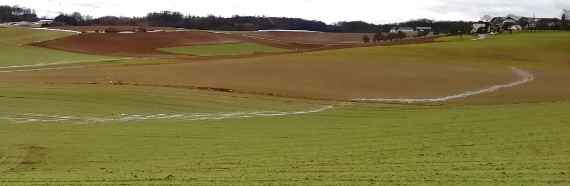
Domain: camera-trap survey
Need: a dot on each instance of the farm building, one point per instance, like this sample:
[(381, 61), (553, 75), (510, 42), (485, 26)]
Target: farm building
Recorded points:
[(424, 29), (514, 23), (402, 29), (502, 24), (547, 22), (481, 27)]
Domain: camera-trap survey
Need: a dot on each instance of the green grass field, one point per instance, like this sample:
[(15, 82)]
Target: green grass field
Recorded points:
[(526, 143), (352, 145), (230, 49), (109, 101), (14, 50)]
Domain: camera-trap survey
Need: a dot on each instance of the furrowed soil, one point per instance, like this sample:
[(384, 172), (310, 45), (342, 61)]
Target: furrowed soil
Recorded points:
[(136, 44), (290, 76)]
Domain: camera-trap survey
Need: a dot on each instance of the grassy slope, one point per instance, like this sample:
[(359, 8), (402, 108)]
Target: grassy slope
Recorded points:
[(526, 49), (357, 144), (14, 51), (360, 144), (386, 71), (104, 101), (224, 49)]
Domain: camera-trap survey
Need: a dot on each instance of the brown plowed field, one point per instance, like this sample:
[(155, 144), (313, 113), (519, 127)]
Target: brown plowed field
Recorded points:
[(137, 44), (290, 76), (310, 37)]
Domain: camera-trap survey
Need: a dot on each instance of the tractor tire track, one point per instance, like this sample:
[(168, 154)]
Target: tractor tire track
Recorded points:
[(525, 77)]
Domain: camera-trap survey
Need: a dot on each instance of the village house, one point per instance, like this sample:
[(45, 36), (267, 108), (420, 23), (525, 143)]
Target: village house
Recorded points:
[(502, 24), (402, 29), (481, 27), (514, 23)]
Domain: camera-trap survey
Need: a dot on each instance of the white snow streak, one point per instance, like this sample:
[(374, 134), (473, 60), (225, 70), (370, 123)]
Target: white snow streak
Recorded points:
[(525, 77), (35, 118), (57, 30)]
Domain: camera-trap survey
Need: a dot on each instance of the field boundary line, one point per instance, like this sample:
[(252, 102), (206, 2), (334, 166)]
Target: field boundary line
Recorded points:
[(525, 77)]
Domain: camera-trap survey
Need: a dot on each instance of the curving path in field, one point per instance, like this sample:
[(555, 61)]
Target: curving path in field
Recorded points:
[(524, 76), (53, 66), (35, 118)]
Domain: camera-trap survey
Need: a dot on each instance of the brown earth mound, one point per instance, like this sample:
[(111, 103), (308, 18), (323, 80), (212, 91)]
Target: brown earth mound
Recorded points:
[(135, 44)]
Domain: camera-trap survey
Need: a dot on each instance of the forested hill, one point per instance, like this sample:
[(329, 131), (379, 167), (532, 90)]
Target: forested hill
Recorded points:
[(15, 14), (251, 23)]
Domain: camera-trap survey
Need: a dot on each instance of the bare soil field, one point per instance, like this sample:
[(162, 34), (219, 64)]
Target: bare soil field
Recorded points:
[(146, 43), (136, 44), (338, 79)]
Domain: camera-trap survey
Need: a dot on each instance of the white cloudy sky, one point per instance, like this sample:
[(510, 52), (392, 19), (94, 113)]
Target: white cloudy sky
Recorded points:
[(376, 11)]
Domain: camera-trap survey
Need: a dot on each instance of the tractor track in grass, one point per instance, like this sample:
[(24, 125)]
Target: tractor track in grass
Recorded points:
[(39, 69), (45, 118), (524, 77), (54, 66)]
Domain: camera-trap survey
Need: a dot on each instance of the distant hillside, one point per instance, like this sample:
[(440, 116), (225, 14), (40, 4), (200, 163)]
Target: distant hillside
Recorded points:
[(235, 23)]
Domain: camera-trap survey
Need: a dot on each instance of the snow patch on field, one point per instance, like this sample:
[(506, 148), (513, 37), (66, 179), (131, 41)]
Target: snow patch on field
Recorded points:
[(57, 30), (302, 31), (524, 76), (49, 66), (38, 69), (42, 118)]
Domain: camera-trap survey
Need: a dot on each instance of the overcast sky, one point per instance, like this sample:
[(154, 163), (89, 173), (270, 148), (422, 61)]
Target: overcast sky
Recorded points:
[(330, 11)]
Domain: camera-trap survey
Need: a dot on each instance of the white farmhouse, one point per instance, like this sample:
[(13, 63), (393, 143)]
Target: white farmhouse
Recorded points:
[(402, 29)]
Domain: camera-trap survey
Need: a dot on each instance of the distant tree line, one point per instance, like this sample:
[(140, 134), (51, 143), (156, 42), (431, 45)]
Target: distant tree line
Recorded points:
[(16, 14), (251, 23)]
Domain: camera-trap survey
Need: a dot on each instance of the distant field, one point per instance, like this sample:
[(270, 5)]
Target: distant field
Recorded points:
[(409, 71), (136, 44), (14, 50), (229, 49)]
